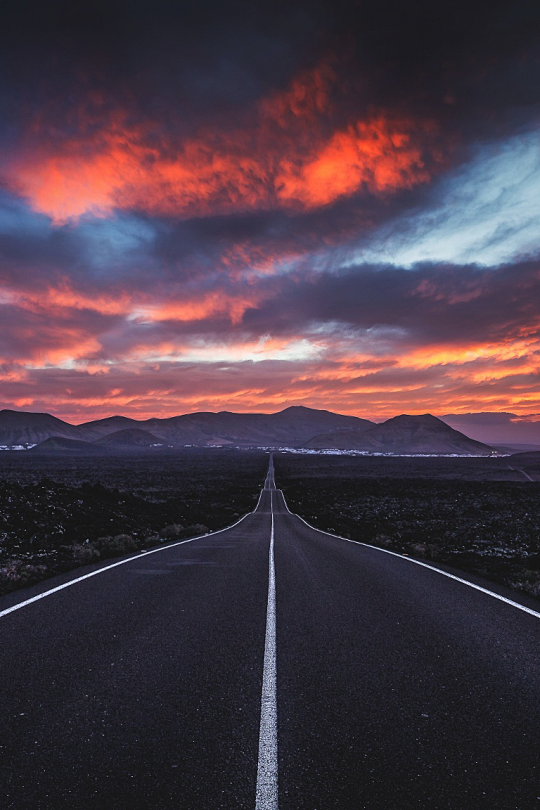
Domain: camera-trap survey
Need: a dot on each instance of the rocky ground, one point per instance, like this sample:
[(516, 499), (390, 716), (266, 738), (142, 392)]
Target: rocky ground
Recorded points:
[(58, 512)]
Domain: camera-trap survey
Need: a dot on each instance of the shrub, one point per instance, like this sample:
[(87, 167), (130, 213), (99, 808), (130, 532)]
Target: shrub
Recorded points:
[(172, 531), (197, 528), (528, 581), (117, 545), (17, 574), (84, 553)]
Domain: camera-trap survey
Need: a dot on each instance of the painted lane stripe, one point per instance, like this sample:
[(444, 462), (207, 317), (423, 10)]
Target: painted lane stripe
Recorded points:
[(39, 596), (421, 564), (267, 768), (258, 504)]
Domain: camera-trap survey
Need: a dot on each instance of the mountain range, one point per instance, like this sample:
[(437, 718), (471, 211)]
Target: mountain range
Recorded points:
[(297, 427), (403, 434), (499, 428)]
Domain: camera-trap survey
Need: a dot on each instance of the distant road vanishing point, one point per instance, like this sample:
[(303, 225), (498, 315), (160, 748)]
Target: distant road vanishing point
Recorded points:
[(269, 665)]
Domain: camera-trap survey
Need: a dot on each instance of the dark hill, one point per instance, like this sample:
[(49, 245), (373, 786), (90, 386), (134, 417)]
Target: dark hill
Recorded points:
[(21, 427), (59, 444), (404, 435), (103, 427), (131, 437)]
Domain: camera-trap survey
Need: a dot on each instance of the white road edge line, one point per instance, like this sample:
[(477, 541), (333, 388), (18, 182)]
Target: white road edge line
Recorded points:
[(39, 596), (267, 768), (422, 564)]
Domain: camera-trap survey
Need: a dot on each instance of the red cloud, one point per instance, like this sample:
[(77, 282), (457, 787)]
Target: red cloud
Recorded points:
[(287, 155), (379, 154)]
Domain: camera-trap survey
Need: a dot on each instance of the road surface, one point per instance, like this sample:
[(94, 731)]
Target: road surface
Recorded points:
[(189, 678), (519, 470)]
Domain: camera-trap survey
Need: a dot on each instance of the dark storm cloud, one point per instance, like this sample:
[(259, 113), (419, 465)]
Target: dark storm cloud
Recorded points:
[(184, 61), (457, 62), (95, 255), (280, 232), (94, 266), (133, 251), (430, 303), (27, 242)]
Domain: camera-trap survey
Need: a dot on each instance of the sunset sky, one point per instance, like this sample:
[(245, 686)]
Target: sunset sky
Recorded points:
[(245, 206)]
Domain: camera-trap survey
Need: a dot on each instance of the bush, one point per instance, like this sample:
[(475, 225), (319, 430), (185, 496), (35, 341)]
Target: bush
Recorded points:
[(172, 531), (17, 574), (84, 553), (196, 529), (117, 545), (528, 581)]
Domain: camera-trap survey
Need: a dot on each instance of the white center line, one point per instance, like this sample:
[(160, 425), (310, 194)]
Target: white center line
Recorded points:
[(267, 770)]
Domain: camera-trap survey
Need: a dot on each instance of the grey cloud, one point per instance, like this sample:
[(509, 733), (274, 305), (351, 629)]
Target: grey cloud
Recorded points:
[(430, 303)]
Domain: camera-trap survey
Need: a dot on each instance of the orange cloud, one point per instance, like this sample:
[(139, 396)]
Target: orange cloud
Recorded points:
[(58, 301), (379, 154), (136, 390), (64, 297), (72, 346), (430, 356), (196, 308), (287, 155)]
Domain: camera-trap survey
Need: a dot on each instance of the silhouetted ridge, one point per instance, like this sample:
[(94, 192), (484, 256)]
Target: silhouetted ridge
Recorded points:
[(296, 426), (424, 434), (20, 427)]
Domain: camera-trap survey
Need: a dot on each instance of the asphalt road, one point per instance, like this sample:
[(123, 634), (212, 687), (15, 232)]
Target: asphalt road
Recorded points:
[(394, 686)]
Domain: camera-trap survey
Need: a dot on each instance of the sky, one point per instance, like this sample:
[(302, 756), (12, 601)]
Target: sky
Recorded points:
[(246, 206)]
